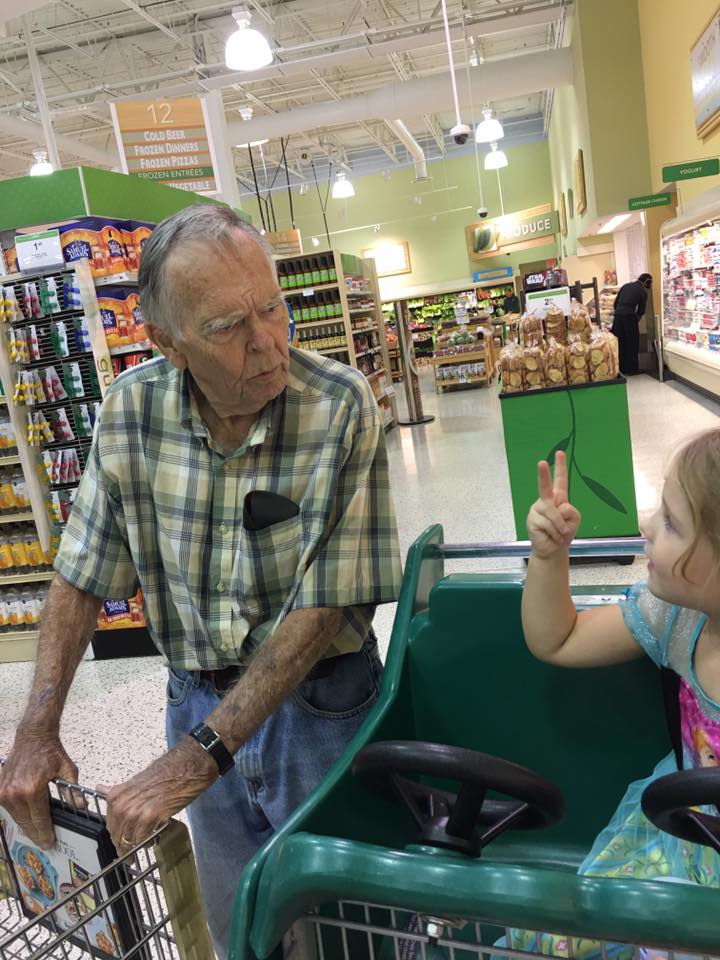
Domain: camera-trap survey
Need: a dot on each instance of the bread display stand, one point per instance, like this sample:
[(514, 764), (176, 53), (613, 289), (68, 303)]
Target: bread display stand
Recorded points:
[(590, 422)]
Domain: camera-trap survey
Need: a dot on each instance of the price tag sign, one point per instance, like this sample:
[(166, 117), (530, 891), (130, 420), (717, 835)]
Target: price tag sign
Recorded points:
[(39, 251), (541, 301)]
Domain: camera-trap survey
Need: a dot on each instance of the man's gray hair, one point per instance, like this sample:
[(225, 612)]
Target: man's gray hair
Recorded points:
[(201, 222)]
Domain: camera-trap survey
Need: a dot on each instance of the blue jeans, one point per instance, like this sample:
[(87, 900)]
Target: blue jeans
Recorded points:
[(275, 769)]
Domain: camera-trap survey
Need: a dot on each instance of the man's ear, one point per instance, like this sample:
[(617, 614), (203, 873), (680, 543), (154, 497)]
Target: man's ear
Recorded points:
[(167, 346)]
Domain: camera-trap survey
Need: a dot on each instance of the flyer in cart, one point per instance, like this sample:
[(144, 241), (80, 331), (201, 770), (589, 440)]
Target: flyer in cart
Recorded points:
[(45, 878)]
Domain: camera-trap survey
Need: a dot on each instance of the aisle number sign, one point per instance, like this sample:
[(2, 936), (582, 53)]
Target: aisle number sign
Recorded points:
[(540, 301), (166, 141)]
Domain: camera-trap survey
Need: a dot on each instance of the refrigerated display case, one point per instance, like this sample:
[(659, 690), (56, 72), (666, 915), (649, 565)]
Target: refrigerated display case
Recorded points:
[(691, 297)]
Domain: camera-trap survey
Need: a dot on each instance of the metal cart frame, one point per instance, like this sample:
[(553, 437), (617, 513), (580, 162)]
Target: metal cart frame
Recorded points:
[(156, 884), (345, 876)]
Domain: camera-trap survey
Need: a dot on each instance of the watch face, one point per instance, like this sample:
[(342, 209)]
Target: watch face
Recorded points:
[(205, 736)]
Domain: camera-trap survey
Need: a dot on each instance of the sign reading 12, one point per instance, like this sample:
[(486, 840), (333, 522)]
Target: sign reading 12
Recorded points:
[(164, 109)]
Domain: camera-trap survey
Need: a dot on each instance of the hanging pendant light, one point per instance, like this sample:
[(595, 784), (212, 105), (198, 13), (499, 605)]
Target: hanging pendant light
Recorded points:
[(496, 159), (342, 188), (42, 165), (489, 130), (246, 49)]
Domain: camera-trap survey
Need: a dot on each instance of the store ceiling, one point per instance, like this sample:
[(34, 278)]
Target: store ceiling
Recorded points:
[(93, 51)]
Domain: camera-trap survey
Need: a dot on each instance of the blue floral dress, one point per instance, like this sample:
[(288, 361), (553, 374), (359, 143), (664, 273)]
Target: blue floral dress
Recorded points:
[(630, 846)]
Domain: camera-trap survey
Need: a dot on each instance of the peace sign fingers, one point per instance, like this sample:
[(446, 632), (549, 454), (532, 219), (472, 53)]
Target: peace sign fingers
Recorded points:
[(560, 484)]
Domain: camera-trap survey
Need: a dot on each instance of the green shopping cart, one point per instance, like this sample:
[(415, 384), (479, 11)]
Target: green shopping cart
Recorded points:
[(354, 875)]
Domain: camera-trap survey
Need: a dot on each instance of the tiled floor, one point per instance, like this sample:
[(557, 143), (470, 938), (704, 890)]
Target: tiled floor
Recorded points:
[(452, 471)]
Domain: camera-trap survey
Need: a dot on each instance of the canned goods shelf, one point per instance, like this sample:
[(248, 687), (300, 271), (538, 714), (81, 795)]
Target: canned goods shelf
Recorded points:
[(16, 517)]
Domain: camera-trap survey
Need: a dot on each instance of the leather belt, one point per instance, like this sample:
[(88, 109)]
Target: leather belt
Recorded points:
[(223, 679)]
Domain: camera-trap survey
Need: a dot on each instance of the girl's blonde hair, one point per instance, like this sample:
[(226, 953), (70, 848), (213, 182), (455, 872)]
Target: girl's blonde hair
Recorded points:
[(697, 468)]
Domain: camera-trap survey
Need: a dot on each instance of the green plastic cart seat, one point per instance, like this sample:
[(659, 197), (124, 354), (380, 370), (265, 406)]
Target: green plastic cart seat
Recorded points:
[(458, 672)]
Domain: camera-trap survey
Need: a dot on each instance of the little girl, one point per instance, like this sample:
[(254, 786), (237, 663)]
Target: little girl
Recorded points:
[(674, 618)]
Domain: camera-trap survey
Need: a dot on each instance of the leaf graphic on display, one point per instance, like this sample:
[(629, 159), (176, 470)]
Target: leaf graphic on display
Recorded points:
[(561, 445), (607, 496)]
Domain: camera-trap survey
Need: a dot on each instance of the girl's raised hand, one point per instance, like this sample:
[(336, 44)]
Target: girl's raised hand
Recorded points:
[(552, 522)]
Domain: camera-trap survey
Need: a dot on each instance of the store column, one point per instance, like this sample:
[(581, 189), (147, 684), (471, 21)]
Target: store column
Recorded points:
[(224, 162)]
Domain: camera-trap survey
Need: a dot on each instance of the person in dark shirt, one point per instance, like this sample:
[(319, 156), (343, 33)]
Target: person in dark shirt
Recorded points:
[(511, 304), (630, 306)]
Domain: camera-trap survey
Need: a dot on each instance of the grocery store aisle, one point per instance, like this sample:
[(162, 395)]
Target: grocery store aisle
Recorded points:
[(451, 471)]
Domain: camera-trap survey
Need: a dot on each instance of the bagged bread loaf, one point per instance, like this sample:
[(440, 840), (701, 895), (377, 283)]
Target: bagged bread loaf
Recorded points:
[(555, 325), (533, 360), (603, 356), (511, 369), (580, 323), (531, 330), (577, 360), (555, 364)]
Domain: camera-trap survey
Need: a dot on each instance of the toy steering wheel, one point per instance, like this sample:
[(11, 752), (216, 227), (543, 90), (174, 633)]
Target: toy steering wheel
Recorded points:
[(669, 803), (450, 820)]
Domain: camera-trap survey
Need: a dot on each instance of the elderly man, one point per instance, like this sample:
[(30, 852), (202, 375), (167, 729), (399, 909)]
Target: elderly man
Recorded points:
[(244, 486)]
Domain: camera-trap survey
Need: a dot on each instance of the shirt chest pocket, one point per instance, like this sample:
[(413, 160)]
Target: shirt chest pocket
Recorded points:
[(269, 562)]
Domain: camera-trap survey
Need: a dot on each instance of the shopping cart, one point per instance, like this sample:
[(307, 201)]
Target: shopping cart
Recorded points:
[(147, 903), (347, 876)]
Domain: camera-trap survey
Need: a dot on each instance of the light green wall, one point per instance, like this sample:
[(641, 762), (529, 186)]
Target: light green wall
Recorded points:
[(437, 249), (570, 132), (615, 89), (603, 114)]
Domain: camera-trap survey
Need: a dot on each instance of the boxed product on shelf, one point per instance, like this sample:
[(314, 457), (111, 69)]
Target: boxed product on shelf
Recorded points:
[(121, 316), (121, 614), (109, 246)]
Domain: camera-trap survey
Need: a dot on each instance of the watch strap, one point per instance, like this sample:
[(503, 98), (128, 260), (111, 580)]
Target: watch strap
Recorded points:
[(212, 744)]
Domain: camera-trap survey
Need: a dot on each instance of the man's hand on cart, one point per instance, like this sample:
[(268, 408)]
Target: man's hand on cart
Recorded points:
[(139, 807), (552, 522), (35, 760)]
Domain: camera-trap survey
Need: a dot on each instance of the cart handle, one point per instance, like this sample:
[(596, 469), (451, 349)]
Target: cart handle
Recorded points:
[(426, 558), (601, 547)]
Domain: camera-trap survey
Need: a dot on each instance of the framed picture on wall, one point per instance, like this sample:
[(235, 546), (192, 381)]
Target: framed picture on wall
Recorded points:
[(581, 202), (391, 259), (705, 73), (563, 216)]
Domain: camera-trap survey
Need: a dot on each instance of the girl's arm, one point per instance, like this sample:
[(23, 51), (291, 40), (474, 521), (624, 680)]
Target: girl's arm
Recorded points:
[(554, 631)]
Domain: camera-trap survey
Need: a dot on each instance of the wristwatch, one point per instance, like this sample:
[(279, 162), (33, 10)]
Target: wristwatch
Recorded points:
[(211, 743)]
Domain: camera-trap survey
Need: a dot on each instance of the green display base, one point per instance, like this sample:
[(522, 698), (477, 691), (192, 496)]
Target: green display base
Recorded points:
[(590, 423)]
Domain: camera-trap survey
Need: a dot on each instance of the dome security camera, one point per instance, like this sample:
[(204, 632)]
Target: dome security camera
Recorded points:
[(460, 133), (482, 212)]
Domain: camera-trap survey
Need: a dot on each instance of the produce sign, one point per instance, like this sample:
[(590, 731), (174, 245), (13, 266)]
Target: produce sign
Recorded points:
[(517, 231)]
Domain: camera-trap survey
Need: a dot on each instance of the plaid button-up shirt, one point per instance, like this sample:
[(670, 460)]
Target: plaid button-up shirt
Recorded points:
[(160, 505)]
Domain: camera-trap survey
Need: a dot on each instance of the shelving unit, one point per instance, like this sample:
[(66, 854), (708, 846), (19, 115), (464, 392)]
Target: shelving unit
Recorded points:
[(93, 362), (482, 357), (337, 311)]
